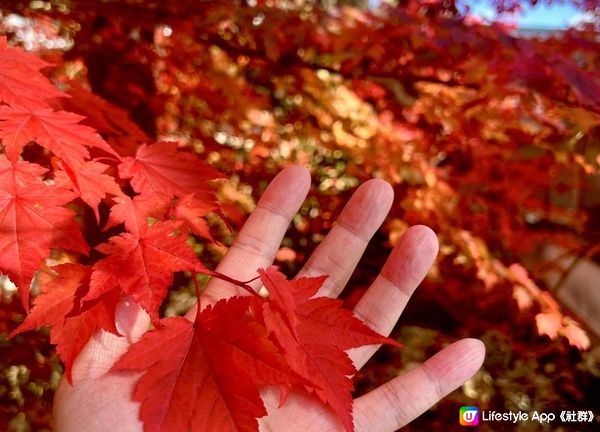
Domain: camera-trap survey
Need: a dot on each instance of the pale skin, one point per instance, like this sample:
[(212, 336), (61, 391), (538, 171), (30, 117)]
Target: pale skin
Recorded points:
[(100, 400)]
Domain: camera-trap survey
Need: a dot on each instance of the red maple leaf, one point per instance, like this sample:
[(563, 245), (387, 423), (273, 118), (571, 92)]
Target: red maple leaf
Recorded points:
[(191, 211), (143, 266), (56, 300), (81, 324), (314, 334), (107, 118), (32, 221), (89, 181), (19, 173), (134, 212), (21, 82), (58, 306), (204, 375), (58, 131), (163, 168)]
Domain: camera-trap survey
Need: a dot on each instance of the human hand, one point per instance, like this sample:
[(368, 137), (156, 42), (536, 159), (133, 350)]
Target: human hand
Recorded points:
[(100, 400)]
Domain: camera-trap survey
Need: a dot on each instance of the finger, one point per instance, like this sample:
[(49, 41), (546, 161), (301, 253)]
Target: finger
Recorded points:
[(381, 305), (104, 348), (301, 412), (339, 253), (260, 237), (403, 399)]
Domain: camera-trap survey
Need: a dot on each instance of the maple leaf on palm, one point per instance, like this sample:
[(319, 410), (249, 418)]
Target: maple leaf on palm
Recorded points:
[(204, 375), (314, 334), (73, 324), (32, 222)]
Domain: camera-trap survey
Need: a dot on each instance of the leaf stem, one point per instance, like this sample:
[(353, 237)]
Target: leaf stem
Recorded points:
[(241, 284), (252, 280)]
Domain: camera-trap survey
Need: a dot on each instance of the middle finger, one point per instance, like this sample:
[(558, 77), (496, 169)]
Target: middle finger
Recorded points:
[(339, 253)]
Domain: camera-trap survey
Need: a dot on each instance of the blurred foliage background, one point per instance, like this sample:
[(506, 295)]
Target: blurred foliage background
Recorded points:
[(489, 136)]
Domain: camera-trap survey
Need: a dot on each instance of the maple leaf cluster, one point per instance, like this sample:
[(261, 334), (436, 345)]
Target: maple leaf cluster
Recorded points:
[(40, 202), (210, 370), (477, 128)]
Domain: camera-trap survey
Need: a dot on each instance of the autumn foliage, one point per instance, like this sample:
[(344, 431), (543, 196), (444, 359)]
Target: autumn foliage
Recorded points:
[(130, 159), (207, 363)]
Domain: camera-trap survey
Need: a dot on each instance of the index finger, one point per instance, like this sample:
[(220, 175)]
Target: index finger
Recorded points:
[(259, 239)]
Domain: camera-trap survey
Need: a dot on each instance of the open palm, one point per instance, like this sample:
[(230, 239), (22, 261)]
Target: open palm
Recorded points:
[(100, 400)]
